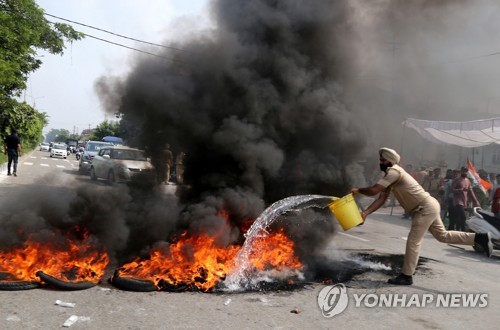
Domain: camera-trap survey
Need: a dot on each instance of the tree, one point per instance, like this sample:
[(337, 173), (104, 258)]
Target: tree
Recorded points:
[(58, 135), (23, 31), (106, 128)]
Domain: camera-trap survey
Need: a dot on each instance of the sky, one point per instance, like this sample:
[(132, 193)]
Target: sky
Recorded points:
[(396, 60), (64, 85)]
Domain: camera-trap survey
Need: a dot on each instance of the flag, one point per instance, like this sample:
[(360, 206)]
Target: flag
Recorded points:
[(476, 179)]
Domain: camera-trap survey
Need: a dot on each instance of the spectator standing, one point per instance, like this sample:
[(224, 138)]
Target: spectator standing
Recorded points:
[(12, 147), (179, 167), (462, 190), (448, 197), (166, 160)]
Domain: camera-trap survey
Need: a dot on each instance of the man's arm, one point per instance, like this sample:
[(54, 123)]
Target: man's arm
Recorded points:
[(19, 149), (471, 193), (371, 191)]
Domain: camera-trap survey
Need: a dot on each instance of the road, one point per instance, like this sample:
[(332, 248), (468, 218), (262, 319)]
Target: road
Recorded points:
[(444, 270)]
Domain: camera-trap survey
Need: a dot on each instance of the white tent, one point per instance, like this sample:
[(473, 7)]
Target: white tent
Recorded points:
[(468, 134)]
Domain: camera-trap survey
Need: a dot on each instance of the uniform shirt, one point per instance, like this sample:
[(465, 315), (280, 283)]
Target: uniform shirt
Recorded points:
[(12, 141), (405, 188)]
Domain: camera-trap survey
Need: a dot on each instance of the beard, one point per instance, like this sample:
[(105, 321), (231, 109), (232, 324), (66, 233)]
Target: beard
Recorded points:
[(384, 167)]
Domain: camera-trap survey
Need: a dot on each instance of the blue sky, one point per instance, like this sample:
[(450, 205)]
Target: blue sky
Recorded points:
[(64, 86)]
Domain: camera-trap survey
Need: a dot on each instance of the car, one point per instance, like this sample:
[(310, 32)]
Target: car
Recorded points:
[(58, 150), (44, 146), (91, 149), (120, 164)]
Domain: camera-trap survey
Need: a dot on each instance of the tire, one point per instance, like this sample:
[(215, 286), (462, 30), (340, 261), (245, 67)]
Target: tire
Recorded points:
[(18, 285), (132, 284), (93, 177), (63, 285), (111, 177)]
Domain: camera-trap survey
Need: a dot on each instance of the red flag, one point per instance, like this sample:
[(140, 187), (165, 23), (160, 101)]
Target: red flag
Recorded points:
[(476, 179)]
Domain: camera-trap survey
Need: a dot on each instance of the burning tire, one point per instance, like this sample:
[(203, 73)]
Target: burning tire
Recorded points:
[(18, 285), (63, 285), (132, 284), (12, 285)]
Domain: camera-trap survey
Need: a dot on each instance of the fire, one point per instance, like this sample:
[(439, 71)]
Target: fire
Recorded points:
[(67, 259), (275, 252), (194, 261), (200, 263)]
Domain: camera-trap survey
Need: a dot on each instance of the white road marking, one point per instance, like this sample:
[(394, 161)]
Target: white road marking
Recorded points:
[(27, 163), (61, 166), (46, 165), (33, 157), (355, 237)]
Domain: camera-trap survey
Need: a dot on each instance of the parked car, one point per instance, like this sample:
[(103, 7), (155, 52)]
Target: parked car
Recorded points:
[(120, 164), (44, 146), (91, 149), (58, 150)]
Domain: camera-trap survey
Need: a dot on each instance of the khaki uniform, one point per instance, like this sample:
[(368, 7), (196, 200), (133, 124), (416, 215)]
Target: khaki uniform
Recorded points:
[(425, 213)]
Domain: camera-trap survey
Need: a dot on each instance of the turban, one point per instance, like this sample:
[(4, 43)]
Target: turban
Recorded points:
[(389, 155)]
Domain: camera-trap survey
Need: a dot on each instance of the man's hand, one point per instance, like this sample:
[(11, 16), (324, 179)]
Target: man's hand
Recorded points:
[(355, 191)]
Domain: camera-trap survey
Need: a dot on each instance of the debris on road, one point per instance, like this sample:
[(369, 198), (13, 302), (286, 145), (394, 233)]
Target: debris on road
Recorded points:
[(65, 304)]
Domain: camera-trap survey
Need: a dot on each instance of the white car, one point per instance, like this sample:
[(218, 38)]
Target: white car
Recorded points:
[(120, 164), (44, 146), (91, 149), (59, 150)]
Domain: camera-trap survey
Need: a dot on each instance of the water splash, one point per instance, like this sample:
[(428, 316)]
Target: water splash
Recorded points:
[(240, 279)]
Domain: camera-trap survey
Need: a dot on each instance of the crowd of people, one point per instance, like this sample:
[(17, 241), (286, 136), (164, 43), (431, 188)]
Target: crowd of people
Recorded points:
[(456, 194)]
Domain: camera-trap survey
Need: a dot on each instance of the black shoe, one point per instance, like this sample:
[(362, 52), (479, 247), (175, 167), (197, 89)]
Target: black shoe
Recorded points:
[(401, 280), (9, 173), (484, 241), (15, 174)]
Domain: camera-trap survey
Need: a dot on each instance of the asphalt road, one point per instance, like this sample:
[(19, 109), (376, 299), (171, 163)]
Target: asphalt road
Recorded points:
[(445, 271)]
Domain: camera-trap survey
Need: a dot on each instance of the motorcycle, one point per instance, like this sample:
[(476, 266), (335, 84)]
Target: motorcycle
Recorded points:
[(483, 222)]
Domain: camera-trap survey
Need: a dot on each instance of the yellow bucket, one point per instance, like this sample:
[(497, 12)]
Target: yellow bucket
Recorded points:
[(346, 211)]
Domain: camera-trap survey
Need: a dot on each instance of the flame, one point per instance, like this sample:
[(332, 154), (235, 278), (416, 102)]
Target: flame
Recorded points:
[(199, 262), (274, 252), (60, 256), (194, 261)]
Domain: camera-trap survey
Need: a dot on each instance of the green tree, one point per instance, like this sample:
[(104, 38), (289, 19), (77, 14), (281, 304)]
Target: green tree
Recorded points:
[(23, 31), (106, 128), (58, 135)]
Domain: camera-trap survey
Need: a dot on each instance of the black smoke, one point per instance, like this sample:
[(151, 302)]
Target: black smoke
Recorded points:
[(257, 107)]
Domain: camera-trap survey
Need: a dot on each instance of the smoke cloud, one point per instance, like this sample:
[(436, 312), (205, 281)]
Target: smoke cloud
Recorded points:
[(279, 98)]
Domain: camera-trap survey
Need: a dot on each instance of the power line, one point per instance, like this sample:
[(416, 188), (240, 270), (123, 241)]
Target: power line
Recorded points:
[(128, 47), (116, 34)]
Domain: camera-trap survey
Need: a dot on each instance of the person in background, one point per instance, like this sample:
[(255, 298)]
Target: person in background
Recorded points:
[(179, 167), (496, 184), (462, 190), (12, 147), (495, 205), (166, 163), (424, 210), (448, 196)]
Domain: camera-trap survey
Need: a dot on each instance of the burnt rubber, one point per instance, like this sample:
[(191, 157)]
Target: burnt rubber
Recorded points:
[(18, 285), (63, 285), (10, 283), (132, 284)]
